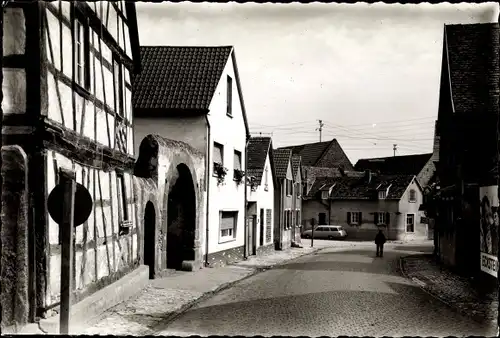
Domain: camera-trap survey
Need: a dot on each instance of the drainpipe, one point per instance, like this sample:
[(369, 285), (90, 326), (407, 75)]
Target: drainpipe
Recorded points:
[(246, 247), (207, 185), (282, 215)]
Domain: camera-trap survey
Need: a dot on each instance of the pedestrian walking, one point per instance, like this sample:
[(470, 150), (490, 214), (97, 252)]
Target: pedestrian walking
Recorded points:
[(380, 241)]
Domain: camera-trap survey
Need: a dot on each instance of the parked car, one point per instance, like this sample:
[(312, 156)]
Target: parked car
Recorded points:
[(326, 232)]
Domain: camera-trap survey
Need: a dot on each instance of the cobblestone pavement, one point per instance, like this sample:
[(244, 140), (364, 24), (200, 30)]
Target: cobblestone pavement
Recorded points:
[(165, 297), (456, 291), (329, 293)]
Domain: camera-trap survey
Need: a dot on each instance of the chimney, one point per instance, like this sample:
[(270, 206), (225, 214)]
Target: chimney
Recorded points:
[(368, 176)]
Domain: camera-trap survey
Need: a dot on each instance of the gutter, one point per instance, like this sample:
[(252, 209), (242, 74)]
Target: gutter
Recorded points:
[(207, 186), (246, 246)]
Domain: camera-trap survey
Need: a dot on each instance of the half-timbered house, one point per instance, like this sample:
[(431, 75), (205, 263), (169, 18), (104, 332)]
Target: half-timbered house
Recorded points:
[(67, 103)]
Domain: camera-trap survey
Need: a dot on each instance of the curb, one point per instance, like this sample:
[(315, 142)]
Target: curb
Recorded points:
[(167, 320), (448, 304)]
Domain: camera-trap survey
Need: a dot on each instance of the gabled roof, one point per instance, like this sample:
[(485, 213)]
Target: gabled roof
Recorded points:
[(358, 188), (257, 151), (310, 153), (407, 164), (295, 165), (313, 153), (181, 80), (282, 158), (473, 66)]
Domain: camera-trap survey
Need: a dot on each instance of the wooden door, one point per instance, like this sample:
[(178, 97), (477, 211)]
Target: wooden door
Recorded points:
[(250, 238)]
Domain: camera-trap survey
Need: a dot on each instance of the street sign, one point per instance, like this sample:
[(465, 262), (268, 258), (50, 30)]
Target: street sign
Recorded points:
[(83, 204)]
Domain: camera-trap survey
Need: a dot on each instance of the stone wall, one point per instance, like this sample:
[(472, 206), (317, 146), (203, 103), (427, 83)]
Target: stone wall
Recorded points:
[(221, 258), (14, 237)]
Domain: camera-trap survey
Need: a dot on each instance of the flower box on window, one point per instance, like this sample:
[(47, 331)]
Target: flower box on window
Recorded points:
[(238, 176), (220, 172)]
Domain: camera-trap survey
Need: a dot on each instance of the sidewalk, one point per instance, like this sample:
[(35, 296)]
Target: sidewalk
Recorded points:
[(167, 297), (456, 291)]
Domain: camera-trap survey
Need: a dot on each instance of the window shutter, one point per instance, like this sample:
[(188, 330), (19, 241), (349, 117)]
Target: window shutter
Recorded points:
[(387, 218), (375, 218), (348, 218), (360, 218), (217, 154)]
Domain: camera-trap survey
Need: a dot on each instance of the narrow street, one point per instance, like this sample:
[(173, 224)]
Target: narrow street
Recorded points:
[(351, 292)]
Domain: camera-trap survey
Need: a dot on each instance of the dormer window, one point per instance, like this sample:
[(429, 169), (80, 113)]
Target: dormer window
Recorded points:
[(324, 195), (382, 194)]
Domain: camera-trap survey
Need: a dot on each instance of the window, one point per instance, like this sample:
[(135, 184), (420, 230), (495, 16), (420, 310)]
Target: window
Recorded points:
[(237, 160), (82, 57), (288, 187), (218, 156), (229, 96), (118, 87), (410, 223), (412, 196), (228, 221), (354, 217), (382, 194), (324, 194), (288, 219), (381, 218), (125, 223), (266, 178)]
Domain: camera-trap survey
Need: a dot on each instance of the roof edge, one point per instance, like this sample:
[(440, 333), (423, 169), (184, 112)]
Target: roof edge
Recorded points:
[(240, 92)]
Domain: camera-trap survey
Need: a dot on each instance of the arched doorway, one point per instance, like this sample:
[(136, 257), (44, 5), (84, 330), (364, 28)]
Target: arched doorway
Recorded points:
[(181, 218), (149, 238)]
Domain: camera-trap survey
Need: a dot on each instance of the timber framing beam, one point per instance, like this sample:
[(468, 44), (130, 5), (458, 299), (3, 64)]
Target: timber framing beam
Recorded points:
[(96, 24), (84, 150)]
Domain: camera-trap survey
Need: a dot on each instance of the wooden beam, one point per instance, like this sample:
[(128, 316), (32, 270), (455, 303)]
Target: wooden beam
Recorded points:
[(14, 61), (84, 150), (84, 93), (96, 24)]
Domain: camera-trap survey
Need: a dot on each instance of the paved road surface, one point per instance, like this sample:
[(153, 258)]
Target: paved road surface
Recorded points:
[(329, 293)]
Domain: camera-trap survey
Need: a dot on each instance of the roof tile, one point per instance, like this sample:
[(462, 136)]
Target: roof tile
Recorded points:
[(177, 77)]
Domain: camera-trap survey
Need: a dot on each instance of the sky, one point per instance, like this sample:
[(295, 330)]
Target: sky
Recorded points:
[(371, 73)]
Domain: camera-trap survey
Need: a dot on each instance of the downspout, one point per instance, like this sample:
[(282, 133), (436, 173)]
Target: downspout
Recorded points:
[(246, 246), (207, 185), (282, 215)]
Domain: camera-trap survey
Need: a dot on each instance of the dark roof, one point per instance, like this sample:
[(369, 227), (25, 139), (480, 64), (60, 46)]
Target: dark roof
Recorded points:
[(407, 164), (183, 78), (320, 183), (257, 150), (472, 53), (295, 164), (349, 187), (281, 160), (310, 153)]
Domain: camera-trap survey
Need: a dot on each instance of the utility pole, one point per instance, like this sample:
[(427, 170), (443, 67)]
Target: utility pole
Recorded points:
[(320, 129), (394, 147)]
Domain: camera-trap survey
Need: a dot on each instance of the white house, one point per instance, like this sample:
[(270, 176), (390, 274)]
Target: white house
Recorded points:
[(260, 195), (193, 95)]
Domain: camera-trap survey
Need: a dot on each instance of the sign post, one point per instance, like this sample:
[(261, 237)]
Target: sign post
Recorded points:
[(70, 205), (67, 180)]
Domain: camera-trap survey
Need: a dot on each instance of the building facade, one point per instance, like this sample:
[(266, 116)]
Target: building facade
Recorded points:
[(193, 95), (363, 204), (67, 104), (260, 195)]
